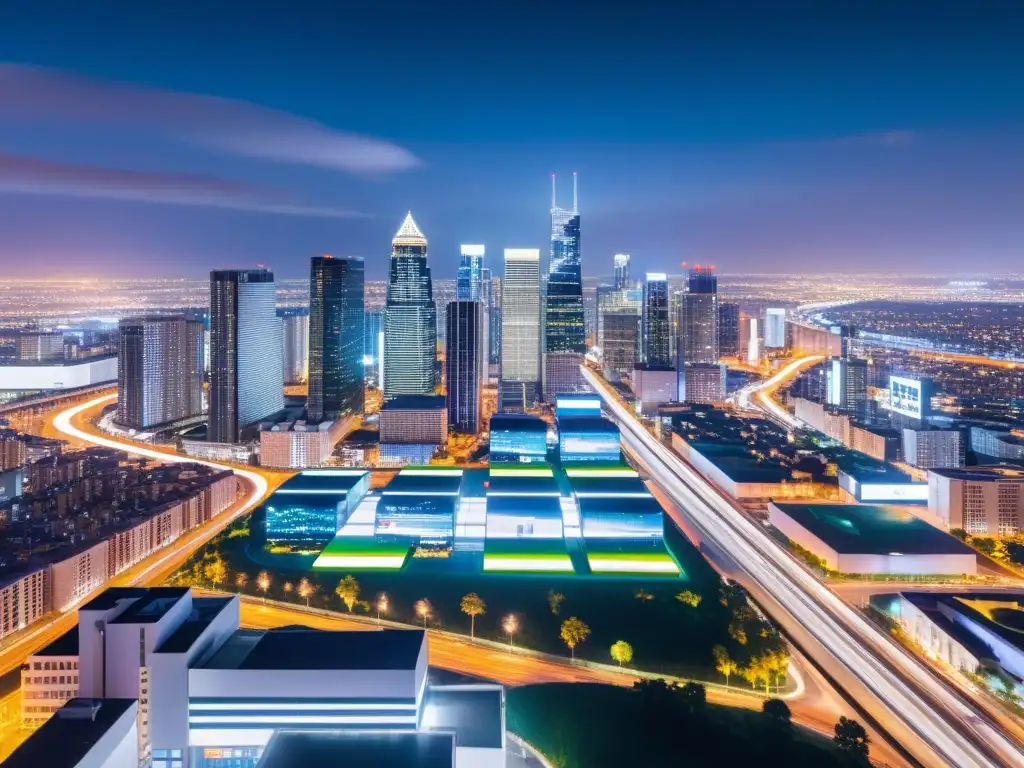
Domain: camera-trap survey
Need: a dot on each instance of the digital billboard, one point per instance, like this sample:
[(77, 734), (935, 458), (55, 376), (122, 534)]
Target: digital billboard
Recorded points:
[(908, 397), (893, 492)]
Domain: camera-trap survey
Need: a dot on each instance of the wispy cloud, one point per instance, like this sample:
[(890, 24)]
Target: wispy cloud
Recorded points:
[(30, 175), (228, 125)]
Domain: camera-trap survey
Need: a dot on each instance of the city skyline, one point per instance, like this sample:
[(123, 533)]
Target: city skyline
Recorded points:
[(886, 145)]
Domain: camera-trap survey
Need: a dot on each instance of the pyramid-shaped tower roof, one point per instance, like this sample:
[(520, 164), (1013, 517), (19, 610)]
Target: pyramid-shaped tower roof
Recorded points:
[(409, 233)]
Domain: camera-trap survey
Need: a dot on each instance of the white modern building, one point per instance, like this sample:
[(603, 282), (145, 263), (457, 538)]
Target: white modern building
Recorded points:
[(702, 383), (774, 328), (933, 448), (520, 329), (652, 387), (301, 444), (983, 501), (206, 688)]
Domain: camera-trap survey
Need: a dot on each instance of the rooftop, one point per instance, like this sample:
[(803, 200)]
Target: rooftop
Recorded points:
[(322, 481), (866, 528), (424, 481), (518, 422), (204, 611), (152, 607), (110, 597), (63, 742), (302, 749), (982, 473), (473, 712), (415, 403), (312, 649), (587, 424)]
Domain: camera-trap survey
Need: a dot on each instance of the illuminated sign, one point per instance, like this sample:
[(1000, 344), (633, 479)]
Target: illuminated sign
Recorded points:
[(907, 397), (893, 492)]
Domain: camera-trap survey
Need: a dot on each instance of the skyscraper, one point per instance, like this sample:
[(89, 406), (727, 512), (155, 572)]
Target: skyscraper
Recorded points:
[(373, 346), (490, 321), (621, 271), (410, 317), (697, 323), (295, 332), (474, 284), (621, 341), (158, 378), (464, 364), (520, 329), (494, 317), (656, 328), (729, 330), (246, 372), (774, 328), (335, 338), (564, 325)]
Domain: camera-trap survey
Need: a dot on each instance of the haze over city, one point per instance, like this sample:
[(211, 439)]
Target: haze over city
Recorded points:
[(841, 137)]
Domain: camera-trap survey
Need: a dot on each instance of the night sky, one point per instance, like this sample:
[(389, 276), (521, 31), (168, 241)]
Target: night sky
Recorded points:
[(761, 137)]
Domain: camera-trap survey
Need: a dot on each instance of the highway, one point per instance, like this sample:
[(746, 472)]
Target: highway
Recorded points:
[(929, 720), (757, 395)]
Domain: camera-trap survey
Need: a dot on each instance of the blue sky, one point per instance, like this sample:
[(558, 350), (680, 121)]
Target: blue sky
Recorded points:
[(767, 137)]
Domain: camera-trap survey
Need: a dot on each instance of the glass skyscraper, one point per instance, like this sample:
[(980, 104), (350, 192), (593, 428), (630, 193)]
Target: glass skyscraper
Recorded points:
[(410, 317), (295, 327), (656, 342), (564, 324), (473, 283), (372, 346), (335, 337), (465, 365), (520, 329), (697, 323), (729, 330), (246, 368), (621, 271)]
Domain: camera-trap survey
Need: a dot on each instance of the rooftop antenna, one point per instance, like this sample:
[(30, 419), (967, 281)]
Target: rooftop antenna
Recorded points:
[(553, 190), (575, 193)]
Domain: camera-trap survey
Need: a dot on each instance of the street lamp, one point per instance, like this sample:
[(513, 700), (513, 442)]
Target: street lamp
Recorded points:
[(382, 605), (510, 625), (263, 582)]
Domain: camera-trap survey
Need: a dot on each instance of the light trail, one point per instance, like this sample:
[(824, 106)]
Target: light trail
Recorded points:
[(928, 719), (761, 392)]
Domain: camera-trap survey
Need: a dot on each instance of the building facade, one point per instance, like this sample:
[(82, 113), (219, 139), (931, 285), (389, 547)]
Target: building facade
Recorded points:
[(295, 341), (933, 448), (159, 373), (565, 341), (465, 363), (728, 329), (621, 332), (983, 501), (774, 328), (520, 329), (702, 383), (409, 317), (621, 271), (246, 368), (336, 317), (697, 321), (656, 343)]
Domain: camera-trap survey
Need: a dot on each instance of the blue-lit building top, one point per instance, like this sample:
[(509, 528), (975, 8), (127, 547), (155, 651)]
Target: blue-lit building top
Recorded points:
[(588, 438), (524, 502), (615, 504), (314, 504), (577, 404), (418, 507), (518, 437)]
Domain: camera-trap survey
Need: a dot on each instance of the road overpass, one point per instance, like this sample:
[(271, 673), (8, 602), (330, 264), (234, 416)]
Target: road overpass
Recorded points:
[(935, 724)]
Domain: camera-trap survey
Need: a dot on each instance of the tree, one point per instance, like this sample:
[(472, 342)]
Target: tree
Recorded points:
[(958, 533), (776, 662), (643, 596), (306, 590), (423, 610), (756, 673), (348, 591), (694, 697), (622, 652), (288, 587), (573, 632), (555, 600), (725, 665), (473, 605), (263, 582), (241, 580), (777, 715), (686, 597), (851, 739), (215, 571), (738, 632)]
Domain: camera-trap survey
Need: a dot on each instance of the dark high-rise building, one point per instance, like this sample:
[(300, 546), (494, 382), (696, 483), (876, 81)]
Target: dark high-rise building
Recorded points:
[(621, 332), (373, 346), (494, 317), (621, 271), (295, 350), (729, 330), (697, 322), (564, 325), (246, 369), (335, 337), (159, 371), (464, 364), (410, 317), (656, 343)]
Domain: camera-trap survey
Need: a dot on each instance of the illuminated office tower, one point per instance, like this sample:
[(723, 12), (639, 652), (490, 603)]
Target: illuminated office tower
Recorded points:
[(373, 346), (848, 386), (729, 329), (295, 332), (697, 321), (621, 271), (410, 317), (564, 324), (621, 342), (490, 321), (520, 329), (464, 364), (750, 339), (774, 328), (656, 341), (246, 372), (336, 317), (159, 373), (474, 284)]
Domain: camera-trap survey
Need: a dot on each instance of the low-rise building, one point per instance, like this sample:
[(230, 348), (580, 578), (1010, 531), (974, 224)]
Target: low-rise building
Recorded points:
[(301, 444), (933, 448), (652, 386), (983, 501), (518, 437), (49, 679)]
